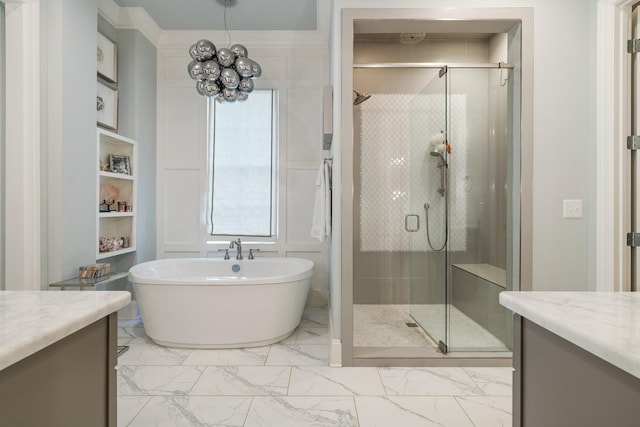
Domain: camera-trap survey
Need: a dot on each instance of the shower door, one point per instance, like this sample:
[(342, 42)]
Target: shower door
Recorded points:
[(426, 222), (460, 186)]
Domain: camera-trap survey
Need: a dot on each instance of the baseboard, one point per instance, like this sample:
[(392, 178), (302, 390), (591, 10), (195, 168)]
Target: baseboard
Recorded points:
[(335, 354), (335, 347)]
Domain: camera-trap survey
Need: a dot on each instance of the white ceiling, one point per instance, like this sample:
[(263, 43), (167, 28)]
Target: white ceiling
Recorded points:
[(241, 15)]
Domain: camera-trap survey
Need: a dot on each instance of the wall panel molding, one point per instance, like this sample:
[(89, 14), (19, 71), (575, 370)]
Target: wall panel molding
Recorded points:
[(299, 153), (22, 145)]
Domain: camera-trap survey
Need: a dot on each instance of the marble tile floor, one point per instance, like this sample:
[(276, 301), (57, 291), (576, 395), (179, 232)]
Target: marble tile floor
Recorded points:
[(290, 384), (384, 325)]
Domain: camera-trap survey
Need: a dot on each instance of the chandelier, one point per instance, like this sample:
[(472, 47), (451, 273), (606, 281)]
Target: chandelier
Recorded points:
[(226, 73)]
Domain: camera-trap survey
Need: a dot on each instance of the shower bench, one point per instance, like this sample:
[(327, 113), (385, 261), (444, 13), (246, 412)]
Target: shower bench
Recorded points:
[(475, 290)]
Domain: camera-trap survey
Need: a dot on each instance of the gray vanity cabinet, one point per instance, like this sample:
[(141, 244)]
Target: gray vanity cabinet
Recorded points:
[(71, 382), (558, 384)]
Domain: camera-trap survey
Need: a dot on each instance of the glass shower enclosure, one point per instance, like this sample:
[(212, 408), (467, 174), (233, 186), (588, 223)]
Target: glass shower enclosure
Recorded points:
[(435, 189), (458, 221)]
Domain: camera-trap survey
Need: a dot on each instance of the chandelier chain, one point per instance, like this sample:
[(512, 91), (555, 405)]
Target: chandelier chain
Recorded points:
[(226, 30), (224, 74)]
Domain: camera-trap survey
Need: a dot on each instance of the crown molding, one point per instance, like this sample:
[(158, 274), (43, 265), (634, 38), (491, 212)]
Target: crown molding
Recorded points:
[(260, 39), (109, 10), (138, 19), (134, 18)]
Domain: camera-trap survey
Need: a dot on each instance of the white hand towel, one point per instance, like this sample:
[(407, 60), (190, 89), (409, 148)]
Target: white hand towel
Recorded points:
[(321, 226)]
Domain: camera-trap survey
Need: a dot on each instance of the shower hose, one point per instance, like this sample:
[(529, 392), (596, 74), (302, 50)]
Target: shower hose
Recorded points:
[(426, 209)]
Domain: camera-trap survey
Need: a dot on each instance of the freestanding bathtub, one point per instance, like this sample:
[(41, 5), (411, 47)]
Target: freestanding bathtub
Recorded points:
[(216, 303)]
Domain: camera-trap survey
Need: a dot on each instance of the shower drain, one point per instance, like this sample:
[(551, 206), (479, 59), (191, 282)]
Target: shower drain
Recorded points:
[(411, 324)]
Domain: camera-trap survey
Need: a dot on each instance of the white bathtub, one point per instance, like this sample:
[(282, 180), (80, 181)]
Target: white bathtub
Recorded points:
[(203, 303)]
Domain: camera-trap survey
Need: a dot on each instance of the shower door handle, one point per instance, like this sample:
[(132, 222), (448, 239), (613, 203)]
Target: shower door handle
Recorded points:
[(417, 223)]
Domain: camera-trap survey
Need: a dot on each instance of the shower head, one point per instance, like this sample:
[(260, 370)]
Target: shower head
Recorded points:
[(437, 153), (360, 98)]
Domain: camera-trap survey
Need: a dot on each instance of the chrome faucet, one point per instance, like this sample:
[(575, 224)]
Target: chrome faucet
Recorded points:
[(238, 245)]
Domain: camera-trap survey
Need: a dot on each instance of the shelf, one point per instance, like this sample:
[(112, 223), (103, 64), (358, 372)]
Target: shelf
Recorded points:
[(116, 224), (103, 255), (88, 282), (114, 138), (115, 214), (117, 175)]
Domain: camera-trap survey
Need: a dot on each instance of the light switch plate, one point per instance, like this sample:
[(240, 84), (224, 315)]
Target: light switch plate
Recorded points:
[(572, 208)]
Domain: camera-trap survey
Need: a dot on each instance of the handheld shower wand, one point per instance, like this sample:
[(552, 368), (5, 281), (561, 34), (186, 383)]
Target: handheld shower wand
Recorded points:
[(440, 146)]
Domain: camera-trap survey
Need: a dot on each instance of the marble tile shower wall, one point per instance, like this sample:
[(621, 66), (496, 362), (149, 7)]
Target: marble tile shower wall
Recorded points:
[(290, 384)]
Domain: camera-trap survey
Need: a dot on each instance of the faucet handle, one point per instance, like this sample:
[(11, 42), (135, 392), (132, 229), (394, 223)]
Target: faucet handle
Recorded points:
[(251, 256), (226, 254)]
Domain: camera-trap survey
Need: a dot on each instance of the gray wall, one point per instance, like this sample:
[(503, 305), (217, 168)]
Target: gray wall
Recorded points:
[(137, 64), (139, 104), (69, 184), (69, 133)]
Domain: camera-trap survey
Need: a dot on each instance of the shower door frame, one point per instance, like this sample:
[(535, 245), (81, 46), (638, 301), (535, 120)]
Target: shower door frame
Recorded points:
[(442, 338), (441, 20)]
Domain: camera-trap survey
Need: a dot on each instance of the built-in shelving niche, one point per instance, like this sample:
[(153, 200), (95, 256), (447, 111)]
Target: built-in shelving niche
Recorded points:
[(114, 223)]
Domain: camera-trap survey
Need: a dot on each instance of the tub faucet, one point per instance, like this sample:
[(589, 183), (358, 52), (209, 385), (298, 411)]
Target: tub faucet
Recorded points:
[(238, 245)]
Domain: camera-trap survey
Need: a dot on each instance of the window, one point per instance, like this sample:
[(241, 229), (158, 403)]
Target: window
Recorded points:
[(243, 166)]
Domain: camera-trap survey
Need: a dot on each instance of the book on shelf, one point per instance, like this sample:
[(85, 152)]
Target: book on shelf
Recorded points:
[(94, 270)]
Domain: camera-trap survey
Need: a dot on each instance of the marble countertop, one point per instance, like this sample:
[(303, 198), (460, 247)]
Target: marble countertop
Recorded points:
[(607, 324), (32, 320)]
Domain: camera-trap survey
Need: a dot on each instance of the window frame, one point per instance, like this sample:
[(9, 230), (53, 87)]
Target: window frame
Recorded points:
[(216, 238)]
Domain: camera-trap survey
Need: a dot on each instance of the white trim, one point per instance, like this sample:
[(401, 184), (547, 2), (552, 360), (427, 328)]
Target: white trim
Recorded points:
[(342, 67), (335, 346), (22, 228), (613, 176), (335, 354), (109, 11), (137, 18), (260, 39)]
